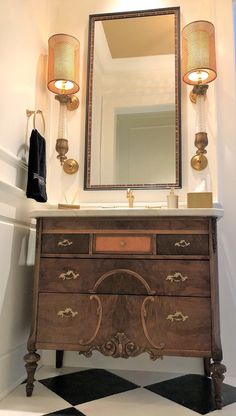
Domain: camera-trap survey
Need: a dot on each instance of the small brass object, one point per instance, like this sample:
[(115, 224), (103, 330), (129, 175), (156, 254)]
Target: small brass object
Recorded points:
[(70, 166), (176, 277), (64, 243), (73, 103), (62, 148), (67, 313), (177, 317), (200, 89), (130, 197), (122, 243), (182, 243), (69, 275)]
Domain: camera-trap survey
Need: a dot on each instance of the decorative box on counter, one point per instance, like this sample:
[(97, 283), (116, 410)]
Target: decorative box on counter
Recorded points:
[(199, 200)]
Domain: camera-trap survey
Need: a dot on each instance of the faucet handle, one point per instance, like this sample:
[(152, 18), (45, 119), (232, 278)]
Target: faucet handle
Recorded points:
[(130, 197)]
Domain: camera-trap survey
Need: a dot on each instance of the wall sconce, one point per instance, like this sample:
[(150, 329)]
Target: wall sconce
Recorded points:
[(199, 68), (63, 80)]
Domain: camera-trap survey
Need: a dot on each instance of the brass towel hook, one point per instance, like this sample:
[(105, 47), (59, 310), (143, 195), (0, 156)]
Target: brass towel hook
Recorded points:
[(29, 113), (43, 120)]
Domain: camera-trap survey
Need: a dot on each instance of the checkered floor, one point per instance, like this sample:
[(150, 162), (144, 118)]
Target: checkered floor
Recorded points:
[(97, 392)]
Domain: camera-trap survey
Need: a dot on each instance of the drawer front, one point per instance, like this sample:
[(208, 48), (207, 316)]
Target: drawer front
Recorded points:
[(192, 244), (163, 324), (135, 244), (65, 243), (124, 276)]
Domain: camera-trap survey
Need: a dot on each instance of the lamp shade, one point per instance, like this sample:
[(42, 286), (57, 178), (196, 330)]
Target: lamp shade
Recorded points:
[(63, 64), (198, 53)]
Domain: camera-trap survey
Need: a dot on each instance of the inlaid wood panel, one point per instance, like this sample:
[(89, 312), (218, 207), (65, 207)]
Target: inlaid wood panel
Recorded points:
[(135, 244)]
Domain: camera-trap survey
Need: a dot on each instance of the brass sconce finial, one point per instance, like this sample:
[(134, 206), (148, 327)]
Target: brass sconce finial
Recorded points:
[(199, 68), (63, 80)]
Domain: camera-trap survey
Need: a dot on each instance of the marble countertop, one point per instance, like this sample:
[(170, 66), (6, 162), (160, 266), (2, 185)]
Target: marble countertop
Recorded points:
[(118, 211)]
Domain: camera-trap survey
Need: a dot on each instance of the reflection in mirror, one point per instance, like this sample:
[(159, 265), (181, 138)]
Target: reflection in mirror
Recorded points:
[(133, 122)]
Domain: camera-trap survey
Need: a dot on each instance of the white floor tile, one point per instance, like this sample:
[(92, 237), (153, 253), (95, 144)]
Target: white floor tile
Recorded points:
[(136, 402), (229, 410), (42, 401), (47, 372), (144, 378)]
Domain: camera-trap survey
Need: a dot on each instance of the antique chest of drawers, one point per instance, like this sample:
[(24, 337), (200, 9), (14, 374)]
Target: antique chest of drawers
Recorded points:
[(126, 286)]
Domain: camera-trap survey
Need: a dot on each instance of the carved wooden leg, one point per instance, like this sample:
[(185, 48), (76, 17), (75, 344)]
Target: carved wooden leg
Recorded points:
[(31, 364), (217, 374), (59, 358), (207, 367)]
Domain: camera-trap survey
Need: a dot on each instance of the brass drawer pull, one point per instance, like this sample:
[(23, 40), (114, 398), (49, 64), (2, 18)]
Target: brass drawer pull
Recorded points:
[(67, 313), (69, 275), (177, 317), (182, 243), (64, 243), (123, 243), (176, 277)]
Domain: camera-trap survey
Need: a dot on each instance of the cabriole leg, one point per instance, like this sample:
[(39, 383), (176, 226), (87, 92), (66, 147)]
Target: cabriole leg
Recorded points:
[(217, 374), (31, 360)]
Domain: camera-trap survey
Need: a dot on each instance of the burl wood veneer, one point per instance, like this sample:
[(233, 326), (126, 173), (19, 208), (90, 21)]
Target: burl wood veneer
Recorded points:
[(126, 286)]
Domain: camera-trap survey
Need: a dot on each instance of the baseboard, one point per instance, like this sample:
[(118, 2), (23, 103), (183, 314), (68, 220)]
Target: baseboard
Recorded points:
[(12, 370)]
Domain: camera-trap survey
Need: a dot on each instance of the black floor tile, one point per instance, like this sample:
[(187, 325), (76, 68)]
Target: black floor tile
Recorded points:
[(88, 385), (193, 391), (71, 411)]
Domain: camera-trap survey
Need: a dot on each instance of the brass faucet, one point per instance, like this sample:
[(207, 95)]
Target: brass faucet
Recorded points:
[(130, 196)]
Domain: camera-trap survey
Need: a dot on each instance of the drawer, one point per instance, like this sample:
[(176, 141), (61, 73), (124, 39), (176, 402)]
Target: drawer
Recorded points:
[(192, 244), (135, 244), (170, 326), (65, 243), (125, 276)]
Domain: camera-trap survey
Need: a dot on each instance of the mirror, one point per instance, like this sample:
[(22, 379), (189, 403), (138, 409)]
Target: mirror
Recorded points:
[(133, 136)]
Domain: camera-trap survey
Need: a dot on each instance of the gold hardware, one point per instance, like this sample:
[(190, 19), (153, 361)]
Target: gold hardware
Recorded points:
[(200, 89), (62, 148), (176, 277), (130, 197), (67, 313), (123, 243), (29, 113), (182, 243), (177, 317), (70, 166), (64, 243), (73, 103), (69, 275)]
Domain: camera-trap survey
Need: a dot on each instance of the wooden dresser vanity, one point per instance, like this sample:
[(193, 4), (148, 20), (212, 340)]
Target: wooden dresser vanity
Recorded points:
[(126, 285)]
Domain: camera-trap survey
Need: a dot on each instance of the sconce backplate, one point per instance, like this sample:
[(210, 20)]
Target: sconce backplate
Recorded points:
[(70, 166), (199, 162), (73, 103)]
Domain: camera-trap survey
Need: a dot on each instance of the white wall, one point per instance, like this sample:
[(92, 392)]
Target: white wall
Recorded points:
[(221, 153), (24, 32)]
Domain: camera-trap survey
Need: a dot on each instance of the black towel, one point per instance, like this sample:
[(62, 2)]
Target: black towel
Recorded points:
[(36, 186)]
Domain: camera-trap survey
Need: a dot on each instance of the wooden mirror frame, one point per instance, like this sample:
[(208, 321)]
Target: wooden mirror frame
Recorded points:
[(88, 127)]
